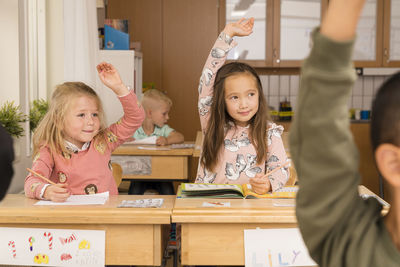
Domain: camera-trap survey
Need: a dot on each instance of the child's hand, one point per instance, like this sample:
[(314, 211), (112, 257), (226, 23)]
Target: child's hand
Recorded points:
[(161, 141), (260, 184), (56, 193), (110, 77), (242, 27)]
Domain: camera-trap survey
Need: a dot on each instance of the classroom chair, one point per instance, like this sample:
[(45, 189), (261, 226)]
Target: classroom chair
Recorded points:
[(117, 173)]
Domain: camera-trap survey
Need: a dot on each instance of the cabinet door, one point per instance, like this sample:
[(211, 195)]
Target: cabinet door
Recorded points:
[(368, 45), (190, 28), (294, 21), (145, 26), (391, 55), (255, 49)]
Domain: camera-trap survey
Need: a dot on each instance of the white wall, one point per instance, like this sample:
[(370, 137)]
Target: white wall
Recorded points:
[(13, 80), (9, 67), (55, 44)]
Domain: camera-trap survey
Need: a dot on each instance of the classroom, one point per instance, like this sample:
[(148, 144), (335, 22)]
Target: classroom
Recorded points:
[(155, 201)]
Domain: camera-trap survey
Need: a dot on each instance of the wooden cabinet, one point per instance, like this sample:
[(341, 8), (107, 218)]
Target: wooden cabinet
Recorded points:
[(176, 37), (391, 33), (282, 28), (378, 35), (367, 168), (368, 46)]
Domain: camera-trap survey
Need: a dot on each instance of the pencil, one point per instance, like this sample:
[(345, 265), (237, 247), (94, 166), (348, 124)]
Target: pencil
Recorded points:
[(41, 176), (274, 170)]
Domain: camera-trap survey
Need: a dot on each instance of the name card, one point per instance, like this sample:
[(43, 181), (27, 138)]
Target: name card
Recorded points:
[(275, 247)]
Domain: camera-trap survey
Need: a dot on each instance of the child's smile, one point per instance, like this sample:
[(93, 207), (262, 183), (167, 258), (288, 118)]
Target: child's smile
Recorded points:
[(82, 122), (241, 97)]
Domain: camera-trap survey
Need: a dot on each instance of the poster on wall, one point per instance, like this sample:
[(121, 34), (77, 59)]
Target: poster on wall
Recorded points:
[(52, 247)]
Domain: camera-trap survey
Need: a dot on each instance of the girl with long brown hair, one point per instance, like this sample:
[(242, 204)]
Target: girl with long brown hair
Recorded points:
[(240, 143)]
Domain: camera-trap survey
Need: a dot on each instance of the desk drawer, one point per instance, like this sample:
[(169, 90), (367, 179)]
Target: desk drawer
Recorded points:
[(164, 167)]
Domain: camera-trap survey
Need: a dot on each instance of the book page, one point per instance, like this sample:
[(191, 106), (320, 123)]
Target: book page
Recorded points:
[(205, 187), (284, 192)]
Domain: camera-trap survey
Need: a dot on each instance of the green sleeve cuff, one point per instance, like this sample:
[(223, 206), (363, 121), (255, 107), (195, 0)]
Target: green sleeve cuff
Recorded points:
[(339, 54)]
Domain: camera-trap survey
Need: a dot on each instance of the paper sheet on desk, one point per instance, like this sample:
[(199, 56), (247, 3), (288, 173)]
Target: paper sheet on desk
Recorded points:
[(145, 141), (94, 199)]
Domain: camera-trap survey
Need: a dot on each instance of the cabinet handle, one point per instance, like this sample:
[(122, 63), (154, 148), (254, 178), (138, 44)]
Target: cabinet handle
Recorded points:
[(275, 56), (386, 55)]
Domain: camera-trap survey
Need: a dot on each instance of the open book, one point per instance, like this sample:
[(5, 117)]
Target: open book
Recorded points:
[(192, 190)]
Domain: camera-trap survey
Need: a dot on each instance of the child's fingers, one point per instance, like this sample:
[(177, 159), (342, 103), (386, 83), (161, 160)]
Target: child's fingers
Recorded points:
[(241, 20), (60, 197), (60, 188)]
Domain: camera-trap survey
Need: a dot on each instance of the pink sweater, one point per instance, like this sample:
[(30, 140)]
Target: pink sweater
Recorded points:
[(87, 171), (237, 162)]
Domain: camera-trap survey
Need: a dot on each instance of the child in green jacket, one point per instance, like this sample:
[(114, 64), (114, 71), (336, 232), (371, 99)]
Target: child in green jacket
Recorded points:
[(338, 226)]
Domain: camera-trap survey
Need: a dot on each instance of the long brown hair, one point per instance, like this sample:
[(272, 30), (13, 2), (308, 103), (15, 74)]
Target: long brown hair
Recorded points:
[(50, 129), (220, 121)]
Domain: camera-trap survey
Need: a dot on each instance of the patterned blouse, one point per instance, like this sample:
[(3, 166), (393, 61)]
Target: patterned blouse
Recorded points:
[(238, 156)]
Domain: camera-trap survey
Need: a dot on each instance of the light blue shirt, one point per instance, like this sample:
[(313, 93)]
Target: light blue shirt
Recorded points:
[(163, 131)]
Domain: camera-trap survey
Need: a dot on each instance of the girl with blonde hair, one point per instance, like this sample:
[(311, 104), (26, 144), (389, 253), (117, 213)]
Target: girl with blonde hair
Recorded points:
[(72, 146)]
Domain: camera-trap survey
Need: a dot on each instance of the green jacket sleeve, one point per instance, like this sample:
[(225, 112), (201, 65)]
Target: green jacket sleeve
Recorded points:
[(321, 143)]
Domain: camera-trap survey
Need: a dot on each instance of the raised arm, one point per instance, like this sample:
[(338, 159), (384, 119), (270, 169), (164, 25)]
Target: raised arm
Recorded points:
[(328, 208), (109, 76), (341, 19), (134, 115), (216, 60)]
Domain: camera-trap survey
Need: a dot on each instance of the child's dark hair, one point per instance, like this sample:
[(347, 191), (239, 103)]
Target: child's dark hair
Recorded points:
[(385, 114), (219, 120)]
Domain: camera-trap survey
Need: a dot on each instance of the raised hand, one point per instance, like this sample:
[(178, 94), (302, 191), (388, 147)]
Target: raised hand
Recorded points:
[(110, 77), (242, 27)]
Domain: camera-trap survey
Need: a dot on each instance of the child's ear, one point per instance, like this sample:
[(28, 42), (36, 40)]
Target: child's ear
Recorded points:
[(388, 161)]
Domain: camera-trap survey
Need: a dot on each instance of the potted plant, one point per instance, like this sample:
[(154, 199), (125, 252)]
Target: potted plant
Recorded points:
[(38, 109), (11, 118)]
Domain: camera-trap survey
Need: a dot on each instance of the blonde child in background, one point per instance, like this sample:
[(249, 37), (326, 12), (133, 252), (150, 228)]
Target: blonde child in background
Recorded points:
[(157, 106), (240, 143), (338, 226), (72, 146)]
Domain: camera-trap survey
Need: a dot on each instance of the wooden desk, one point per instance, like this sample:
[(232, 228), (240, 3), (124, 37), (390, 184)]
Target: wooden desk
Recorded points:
[(171, 164), (133, 235), (214, 236)]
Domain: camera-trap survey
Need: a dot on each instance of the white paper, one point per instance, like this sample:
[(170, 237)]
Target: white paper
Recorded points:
[(282, 202), (52, 247), (145, 141), (275, 247), (94, 199), (142, 203)]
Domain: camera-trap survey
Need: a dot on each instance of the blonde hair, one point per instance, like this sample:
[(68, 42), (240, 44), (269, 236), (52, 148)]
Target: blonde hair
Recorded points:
[(50, 129), (154, 95)]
